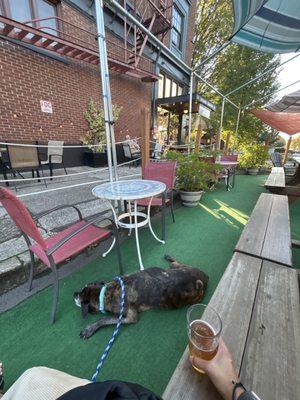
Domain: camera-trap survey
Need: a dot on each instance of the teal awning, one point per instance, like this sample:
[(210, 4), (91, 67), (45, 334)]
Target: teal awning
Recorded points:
[(268, 25)]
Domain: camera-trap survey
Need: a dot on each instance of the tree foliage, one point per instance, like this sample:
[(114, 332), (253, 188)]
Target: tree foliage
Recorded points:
[(295, 145), (230, 69)]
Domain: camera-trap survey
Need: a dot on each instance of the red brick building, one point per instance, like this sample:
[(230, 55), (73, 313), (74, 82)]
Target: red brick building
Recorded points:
[(31, 72)]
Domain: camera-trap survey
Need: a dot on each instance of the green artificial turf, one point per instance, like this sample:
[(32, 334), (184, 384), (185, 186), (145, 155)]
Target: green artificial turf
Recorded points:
[(146, 353)]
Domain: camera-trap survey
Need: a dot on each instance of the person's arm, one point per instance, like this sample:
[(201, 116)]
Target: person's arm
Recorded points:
[(222, 373)]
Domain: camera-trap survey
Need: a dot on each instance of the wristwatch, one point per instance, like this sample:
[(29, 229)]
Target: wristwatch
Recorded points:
[(247, 395)]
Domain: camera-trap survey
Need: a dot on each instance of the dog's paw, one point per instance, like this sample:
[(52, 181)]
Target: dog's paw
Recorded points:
[(86, 333)]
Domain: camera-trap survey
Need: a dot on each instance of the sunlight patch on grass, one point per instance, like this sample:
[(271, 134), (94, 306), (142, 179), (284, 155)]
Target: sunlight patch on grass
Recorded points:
[(233, 213)]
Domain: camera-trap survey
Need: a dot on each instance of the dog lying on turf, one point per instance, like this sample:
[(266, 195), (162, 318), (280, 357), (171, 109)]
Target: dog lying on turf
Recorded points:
[(175, 287)]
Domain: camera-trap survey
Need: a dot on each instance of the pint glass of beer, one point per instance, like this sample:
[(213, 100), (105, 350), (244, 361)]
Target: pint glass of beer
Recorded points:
[(204, 330)]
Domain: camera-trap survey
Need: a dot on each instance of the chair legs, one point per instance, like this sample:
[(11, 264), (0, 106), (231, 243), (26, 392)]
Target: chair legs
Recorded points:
[(31, 268), (118, 250), (172, 211), (55, 292), (163, 216), (64, 168), (50, 169)]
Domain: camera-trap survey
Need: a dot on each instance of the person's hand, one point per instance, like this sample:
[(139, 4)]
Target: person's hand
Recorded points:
[(220, 371)]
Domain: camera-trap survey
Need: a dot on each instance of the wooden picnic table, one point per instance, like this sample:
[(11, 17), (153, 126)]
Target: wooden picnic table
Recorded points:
[(276, 180), (258, 302), (267, 234)]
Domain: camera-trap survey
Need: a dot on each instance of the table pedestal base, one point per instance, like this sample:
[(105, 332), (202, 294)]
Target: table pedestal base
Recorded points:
[(134, 224)]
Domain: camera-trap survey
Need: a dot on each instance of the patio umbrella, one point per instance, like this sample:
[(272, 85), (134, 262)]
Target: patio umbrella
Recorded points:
[(268, 25), (288, 104), (286, 122)]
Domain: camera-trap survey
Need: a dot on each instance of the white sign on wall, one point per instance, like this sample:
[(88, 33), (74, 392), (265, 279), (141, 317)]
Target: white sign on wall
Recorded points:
[(46, 106)]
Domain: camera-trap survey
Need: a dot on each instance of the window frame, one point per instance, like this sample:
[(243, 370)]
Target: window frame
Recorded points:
[(33, 10), (179, 87), (179, 33)]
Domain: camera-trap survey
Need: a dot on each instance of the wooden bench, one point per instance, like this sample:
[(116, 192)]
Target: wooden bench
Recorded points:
[(278, 183), (258, 301), (276, 180), (267, 234)]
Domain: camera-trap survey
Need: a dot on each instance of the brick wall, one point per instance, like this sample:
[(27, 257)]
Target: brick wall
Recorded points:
[(28, 77), (190, 32)]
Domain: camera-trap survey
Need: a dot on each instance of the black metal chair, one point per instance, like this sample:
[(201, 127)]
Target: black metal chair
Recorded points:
[(130, 156)]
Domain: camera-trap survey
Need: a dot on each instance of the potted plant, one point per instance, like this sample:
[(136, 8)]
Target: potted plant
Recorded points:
[(193, 176), (253, 157), (95, 135)]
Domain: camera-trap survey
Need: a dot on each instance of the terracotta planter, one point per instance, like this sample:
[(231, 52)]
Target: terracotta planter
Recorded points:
[(252, 171), (190, 199)]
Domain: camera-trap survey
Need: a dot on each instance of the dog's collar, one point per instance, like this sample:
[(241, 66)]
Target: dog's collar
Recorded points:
[(101, 300)]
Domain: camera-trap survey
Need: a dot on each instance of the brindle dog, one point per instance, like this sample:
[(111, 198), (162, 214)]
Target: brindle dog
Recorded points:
[(175, 287)]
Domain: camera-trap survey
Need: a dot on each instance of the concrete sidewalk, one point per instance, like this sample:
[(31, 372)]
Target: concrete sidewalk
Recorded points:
[(13, 250)]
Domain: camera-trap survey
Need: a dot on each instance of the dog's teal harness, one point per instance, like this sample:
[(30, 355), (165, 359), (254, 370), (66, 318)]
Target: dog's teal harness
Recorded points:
[(101, 300)]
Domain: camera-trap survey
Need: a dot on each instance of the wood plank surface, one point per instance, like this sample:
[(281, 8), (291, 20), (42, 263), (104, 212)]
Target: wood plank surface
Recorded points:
[(233, 300), (277, 244), (276, 178), (271, 362), (252, 238)]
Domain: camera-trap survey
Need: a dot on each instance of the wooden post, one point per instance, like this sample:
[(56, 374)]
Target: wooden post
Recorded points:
[(227, 143), (145, 137), (288, 143)]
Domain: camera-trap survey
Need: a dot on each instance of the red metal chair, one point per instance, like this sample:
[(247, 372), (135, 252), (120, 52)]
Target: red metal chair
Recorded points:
[(59, 247), (164, 172)]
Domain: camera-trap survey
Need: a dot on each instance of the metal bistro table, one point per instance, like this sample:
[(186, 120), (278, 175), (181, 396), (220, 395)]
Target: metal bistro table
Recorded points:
[(131, 191), (230, 167)]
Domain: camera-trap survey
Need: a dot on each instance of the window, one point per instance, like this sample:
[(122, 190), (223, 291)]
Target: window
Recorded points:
[(174, 89), (167, 87), (161, 84), (27, 10), (176, 34)]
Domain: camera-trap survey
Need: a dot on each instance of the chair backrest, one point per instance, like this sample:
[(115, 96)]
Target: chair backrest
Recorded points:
[(23, 157), (276, 159), (229, 157), (56, 153), (161, 171), (127, 151), (158, 150), (21, 216)]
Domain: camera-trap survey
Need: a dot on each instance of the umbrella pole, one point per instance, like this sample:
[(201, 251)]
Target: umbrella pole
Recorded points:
[(288, 143)]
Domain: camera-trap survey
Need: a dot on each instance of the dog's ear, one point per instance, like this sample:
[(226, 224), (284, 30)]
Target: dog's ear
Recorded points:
[(84, 308)]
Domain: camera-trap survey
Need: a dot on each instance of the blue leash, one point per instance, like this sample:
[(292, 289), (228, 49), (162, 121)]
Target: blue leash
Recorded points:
[(115, 332)]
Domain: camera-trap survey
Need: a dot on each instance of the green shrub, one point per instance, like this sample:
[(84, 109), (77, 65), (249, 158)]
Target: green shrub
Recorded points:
[(193, 174), (253, 156), (94, 116)]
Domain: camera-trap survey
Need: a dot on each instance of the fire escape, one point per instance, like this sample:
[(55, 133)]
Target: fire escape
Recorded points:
[(67, 39)]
